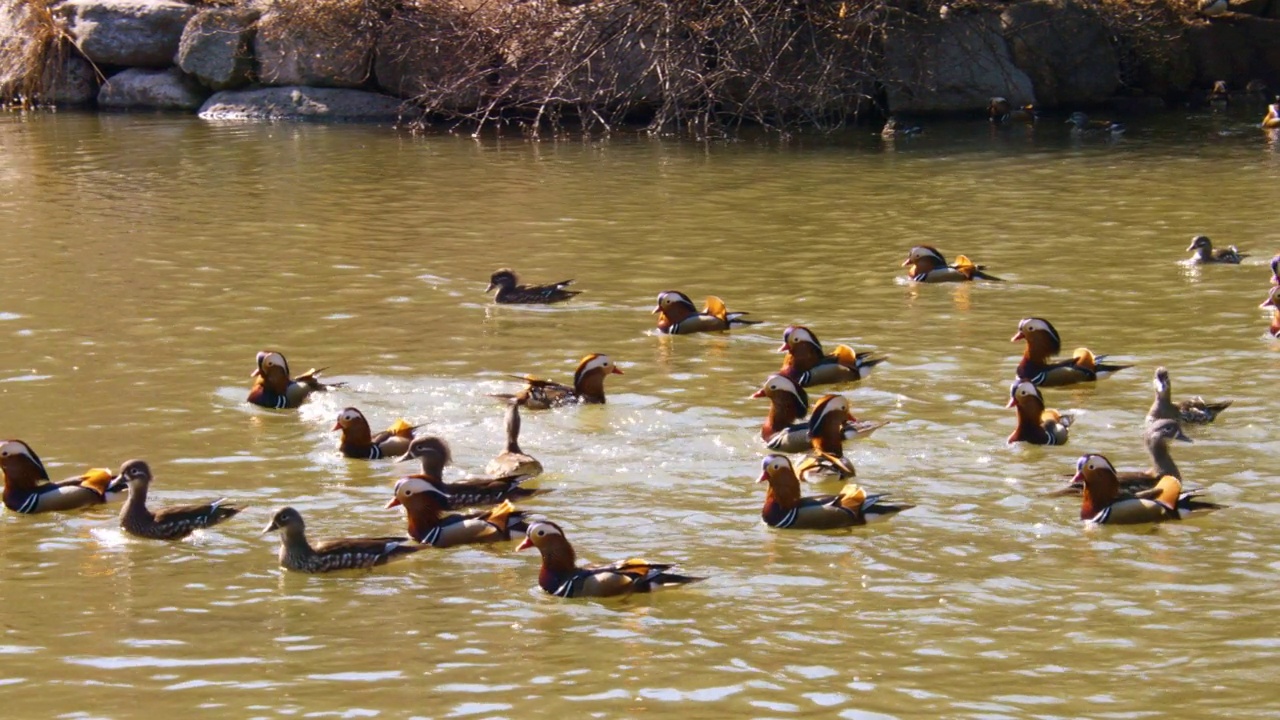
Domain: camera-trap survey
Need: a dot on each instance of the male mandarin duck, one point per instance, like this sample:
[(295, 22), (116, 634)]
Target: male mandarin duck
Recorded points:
[(172, 523), (28, 490), (434, 455), (511, 292), (1272, 119), (1081, 124), (788, 404), (925, 264), (424, 506), (561, 576), (826, 436), (1104, 503), (893, 129), (785, 508), (588, 386), (1000, 110), (808, 364), (360, 443), (677, 315), (1202, 246), (513, 461), (1043, 342), (1156, 438), (1036, 425), (343, 554), (1194, 411), (273, 388), (1273, 302)]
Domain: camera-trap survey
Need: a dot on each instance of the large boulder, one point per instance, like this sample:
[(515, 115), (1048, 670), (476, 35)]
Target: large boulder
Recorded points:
[(301, 103), (322, 43), (131, 33), (217, 47), (147, 89), (1236, 50), (1065, 49), (70, 80)]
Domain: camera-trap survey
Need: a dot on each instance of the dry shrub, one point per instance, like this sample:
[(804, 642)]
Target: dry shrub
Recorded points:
[(32, 44), (343, 29)]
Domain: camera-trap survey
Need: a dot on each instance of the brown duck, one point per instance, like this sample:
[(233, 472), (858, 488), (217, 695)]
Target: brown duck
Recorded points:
[(343, 554), (1195, 411), (1204, 253), (172, 523), (424, 506), (513, 461), (511, 292), (27, 488), (788, 405), (1156, 438), (359, 443), (1043, 342), (433, 453), (587, 388), (1103, 501), (808, 364), (826, 461), (925, 264), (1036, 425), (274, 388), (561, 576), (785, 508), (677, 315)]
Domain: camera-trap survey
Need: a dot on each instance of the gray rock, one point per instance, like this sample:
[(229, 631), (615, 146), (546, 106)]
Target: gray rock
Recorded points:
[(70, 80), (1236, 51), (325, 48), (217, 47), (1065, 49), (147, 89), (301, 103), (133, 33)]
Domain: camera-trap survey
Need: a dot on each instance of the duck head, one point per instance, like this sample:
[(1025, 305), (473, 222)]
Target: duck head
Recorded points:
[(588, 379), (21, 464), (1101, 486), (1041, 337), (423, 504), (797, 337), (788, 400), (1079, 119), (826, 426), (1200, 243), (273, 371), (286, 520), (784, 486), (134, 473), (1166, 430), (924, 258), (673, 306), (1275, 270), (351, 420), (1162, 383), (502, 278), (998, 107), (431, 451), (545, 535)]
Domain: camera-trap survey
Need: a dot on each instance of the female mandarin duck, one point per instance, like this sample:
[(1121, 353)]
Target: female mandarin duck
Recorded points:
[(561, 576), (27, 488), (360, 443), (1000, 110), (513, 460), (511, 292), (273, 388), (1273, 302), (1157, 438), (785, 508), (588, 386), (808, 364), (677, 315), (1194, 411), (1082, 125), (1036, 425), (343, 554), (1104, 503), (925, 264), (424, 506), (172, 523), (826, 436), (1202, 247), (434, 455), (1043, 342), (1272, 119), (788, 404)]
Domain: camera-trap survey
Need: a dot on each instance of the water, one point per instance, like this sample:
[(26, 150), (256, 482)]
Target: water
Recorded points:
[(148, 258)]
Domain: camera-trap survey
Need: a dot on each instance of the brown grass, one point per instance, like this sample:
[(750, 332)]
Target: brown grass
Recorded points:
[(31, 42)]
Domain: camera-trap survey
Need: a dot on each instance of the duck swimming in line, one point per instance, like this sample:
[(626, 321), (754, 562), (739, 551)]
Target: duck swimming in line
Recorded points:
[(1202, 246), (1194, 411), (358, 441), (1102, 501), (433, 453), (1036, 425), (511, 292), (788, 404), (677, 315), (298, 555), (808, 364), (274, 388), (561, 576), (1043, 342), (588, 386), (172, 523), (785, 508), (925, 264), (28, 490)]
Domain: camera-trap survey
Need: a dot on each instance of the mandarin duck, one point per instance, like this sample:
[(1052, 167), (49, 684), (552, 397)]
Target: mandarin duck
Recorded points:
[(359, 443), (1036, 425), (893, 129), (785, 508), (788, 404), (343, 554), (1275, 270), (1273, 302), (1000, 110), (1202, 247), (28, 490), (588, 386), (1272, 119), (1156, 438), (173, 523), (808, 364), (561, 576), (1219, 96), (1043, 342), (511, 292), (677, 315), (434, 455), (1082, 125), (925, 264), (826, 436), (424, 505), (1194, 411), (273, 388), (1102, 501), (513, 461)]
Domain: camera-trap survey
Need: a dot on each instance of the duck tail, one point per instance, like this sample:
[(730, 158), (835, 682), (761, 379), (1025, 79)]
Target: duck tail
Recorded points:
[(736, 319), (1189, 502), (311, 379)]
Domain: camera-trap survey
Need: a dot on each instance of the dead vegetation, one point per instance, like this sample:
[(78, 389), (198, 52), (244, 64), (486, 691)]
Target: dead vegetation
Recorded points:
[(32, 47)]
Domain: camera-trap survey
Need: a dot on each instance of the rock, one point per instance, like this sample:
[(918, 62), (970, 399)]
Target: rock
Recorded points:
[(1249, 7), (301, 103), (1236, 51), (147, 89), (326, 43), (70, 80), (424, 54), (131, 33), (1065, 49), (217, 47)]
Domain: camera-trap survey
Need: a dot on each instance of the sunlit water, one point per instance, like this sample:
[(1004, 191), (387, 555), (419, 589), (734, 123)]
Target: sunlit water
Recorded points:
[(146, 259)]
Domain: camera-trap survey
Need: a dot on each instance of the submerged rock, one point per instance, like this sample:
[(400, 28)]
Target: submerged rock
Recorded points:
[(133, 33), (147, 89), (301, 103), (217, 47)]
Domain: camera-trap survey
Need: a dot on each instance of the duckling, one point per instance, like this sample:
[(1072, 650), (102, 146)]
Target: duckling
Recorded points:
[(1156, 438), (359, 443), (788, 403), (561, 576), (1043, 342), (1273, 302), (1271, 120), (808, 364), (424, 506), (273, 388), (510, 292), (28, 490), (1036, 425), (172, 523), (1102, 502), (512, 460), (1081, 124), (1202, 246), (826, 436), (1194, 411), (433, 453), (343, 554), (926, 264), (1000, 110), (677, 315), (588, 386), (893, 129), (785, 508)]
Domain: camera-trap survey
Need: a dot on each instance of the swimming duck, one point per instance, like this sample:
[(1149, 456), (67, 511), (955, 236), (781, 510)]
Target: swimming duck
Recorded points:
[(424, 506), (1081, 124), (1104, 503), (808, 364), (360, 443), (1219, 97), (273, 388), (677, 315), (1204, 252), (1043, 342), (343, 554), (1000, 110), (1156, 438), (1272, 119), (788, 403), (893, 129), (561, 576), (27, 488), (1273, 302), (926, 264), (1036, 425), (513, 461), (511, 292), (1275, 270), (588, 386), (785, 508), (1194, 411), (826, 436), (172, 523), (434, 455)]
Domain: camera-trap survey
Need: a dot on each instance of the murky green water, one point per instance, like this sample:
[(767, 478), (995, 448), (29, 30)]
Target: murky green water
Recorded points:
[(146, 260)]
